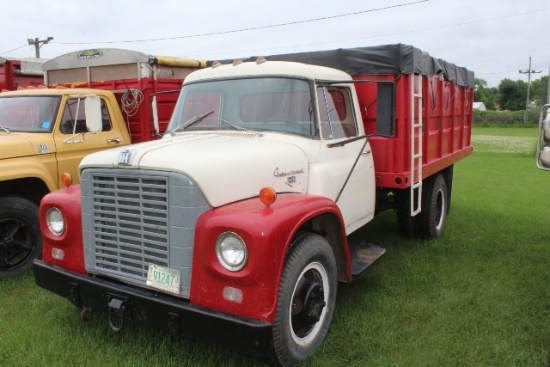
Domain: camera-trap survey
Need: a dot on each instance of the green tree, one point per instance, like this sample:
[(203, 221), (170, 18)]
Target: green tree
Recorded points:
[(539, 91), (512, 94), (484, 94)]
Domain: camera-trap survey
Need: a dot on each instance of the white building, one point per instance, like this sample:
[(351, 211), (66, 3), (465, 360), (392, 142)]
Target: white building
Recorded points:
[(480, 106)]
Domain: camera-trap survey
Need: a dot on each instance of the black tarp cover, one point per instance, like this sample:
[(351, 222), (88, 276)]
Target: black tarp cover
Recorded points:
[(379, 60)]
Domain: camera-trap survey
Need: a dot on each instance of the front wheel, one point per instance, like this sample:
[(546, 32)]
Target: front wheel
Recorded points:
[(305, 305), (20, 240)]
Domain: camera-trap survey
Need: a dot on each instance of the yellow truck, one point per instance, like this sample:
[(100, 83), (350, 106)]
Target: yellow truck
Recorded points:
[(95, 100)]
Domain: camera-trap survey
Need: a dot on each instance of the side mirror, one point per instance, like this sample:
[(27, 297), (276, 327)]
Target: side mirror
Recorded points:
[(546, 128), (92, 105), (543, 143), (385, 109)]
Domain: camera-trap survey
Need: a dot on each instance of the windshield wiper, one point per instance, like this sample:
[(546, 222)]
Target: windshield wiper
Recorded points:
[(2, 127), (191, 122), (234, 126)]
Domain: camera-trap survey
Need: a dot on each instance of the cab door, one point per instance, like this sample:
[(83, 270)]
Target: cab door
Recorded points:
[(73, 140), (345, 156)]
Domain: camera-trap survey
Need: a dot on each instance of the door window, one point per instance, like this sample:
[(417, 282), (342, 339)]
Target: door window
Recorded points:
[(75, 114), (337, 117)]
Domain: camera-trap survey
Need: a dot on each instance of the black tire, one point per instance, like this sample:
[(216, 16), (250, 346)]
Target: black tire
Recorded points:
[(306, 300), (434, 207), (407, 224), (20, 239)]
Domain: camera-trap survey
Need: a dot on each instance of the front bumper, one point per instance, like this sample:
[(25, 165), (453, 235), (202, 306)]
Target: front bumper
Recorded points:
[(156, 310)]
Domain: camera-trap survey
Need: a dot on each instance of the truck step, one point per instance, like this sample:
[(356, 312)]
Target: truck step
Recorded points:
[(363, 254)]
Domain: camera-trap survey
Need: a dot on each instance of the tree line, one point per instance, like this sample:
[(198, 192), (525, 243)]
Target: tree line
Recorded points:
[(511, 95)]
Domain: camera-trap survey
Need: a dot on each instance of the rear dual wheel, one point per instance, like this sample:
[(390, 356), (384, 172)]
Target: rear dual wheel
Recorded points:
[(306, 300), (430, 222), (434, 208)]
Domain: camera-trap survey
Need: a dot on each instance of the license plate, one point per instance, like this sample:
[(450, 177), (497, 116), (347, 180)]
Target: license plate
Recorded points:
[(163, 278)]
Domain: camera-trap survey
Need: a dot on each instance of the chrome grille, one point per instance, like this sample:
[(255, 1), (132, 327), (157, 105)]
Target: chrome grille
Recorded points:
[(130, 223), (134, 218)]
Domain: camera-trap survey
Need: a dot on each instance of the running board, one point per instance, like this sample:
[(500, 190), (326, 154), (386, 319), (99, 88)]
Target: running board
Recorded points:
[(363, 254)]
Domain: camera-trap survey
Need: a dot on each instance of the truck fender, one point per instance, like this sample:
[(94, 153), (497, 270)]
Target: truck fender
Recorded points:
[(268, 232), (69, 245), (14, 169)]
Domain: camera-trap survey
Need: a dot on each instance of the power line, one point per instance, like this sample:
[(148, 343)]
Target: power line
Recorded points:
[(252, 28), (15, 49), (392, 34)]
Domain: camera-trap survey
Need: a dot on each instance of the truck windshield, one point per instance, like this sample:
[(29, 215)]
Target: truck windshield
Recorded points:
[(35, 114), (260, 104)]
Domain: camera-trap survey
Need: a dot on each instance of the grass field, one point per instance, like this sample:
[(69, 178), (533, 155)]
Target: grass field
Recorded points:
[(477, 296)]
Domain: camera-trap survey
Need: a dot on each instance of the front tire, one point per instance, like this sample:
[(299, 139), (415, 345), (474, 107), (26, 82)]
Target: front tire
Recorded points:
[(306, 300), (20, 239)]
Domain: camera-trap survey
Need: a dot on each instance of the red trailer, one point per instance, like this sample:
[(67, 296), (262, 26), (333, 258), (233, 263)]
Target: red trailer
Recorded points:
[(15, 73), (134, 77)]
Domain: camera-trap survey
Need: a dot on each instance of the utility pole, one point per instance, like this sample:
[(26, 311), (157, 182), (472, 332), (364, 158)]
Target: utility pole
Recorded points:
[(528, 72), (38, 43)]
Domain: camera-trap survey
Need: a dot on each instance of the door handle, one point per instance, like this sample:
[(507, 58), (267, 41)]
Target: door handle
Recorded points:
[(114, 140)]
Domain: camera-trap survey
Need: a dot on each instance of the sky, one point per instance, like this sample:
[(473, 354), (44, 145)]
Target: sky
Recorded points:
[(493, 38)]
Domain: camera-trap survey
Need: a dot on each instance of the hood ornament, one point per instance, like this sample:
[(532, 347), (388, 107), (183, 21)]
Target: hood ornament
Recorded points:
[(125, 157)]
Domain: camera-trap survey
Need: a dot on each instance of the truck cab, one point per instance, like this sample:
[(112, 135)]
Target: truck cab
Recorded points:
[(44, 133), (304, 133)]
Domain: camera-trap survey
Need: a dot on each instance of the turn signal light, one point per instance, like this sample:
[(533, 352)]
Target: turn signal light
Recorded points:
[(233, 294), (268, 196), (66, 179), (58, 254)]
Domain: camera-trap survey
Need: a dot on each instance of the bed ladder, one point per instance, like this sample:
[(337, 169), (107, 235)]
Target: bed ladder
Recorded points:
[(416, 144)]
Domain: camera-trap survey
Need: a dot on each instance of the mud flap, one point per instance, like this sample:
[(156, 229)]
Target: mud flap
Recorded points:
[(363, 255)]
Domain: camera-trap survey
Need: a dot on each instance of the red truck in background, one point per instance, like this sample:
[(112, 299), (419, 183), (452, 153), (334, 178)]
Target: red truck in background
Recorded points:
[(44, 131), (23, 72), (234, 227), (140, 83)]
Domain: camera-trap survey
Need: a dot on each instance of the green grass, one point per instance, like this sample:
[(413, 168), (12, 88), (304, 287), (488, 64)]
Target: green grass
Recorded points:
[(477, 296)]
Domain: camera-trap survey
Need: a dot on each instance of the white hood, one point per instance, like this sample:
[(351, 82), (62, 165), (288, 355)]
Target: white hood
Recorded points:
[(227, 167)]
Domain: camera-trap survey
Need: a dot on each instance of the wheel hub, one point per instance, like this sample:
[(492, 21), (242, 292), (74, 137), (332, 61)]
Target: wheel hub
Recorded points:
[(13, 247), (307, 307), (315, 303)]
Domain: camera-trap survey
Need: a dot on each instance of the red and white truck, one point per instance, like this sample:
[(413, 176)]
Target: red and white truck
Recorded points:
[(233, 228), (20, 73), (44, 132)]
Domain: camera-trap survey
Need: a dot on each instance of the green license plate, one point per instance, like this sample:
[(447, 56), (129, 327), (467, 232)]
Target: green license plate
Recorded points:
[(163, 278)]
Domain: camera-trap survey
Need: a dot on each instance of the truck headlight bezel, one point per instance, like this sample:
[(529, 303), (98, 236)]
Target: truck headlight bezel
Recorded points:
[(231, 251), (55, 221)]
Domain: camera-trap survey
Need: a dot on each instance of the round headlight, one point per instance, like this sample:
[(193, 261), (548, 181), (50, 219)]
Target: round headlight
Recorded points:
[(55, 221), (231, 251)]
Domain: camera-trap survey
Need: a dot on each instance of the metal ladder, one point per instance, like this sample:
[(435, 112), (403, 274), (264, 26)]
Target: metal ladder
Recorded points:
[(416, 144)]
